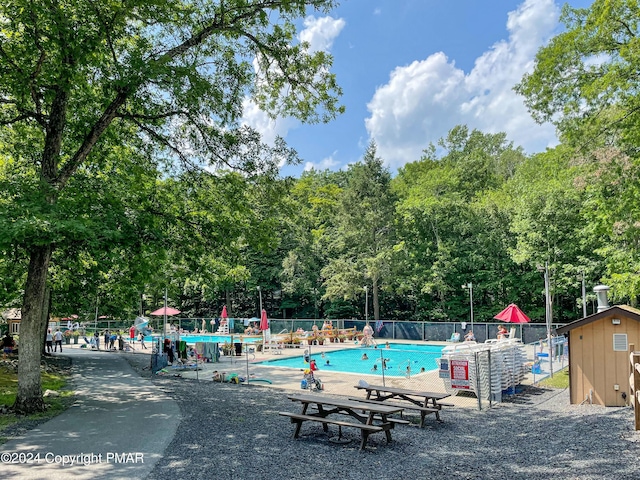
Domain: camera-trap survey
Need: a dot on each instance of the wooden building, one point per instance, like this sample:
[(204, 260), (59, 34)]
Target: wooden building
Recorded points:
[(12, 317), (599, 355)]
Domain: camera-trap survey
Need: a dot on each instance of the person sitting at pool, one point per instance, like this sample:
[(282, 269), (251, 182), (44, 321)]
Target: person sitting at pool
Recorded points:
[(248, 331), (469, 337), (364, 356), (502, 332)]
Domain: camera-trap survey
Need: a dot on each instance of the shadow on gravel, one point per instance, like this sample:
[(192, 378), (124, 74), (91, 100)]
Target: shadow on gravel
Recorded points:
[(526, 396)]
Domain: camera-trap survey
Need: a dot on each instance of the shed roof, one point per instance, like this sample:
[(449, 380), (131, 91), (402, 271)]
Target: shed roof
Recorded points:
[(623, 310)]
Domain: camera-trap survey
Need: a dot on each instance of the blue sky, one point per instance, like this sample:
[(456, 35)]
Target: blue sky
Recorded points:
[(413, 69)]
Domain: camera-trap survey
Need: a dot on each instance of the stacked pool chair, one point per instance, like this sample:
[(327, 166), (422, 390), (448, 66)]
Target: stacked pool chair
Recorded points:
[(508, 367)]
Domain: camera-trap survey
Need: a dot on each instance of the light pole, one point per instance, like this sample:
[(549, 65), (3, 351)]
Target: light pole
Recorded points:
[(470, 287), (315, 304), (260, 293), (584, 297), (366, 304)]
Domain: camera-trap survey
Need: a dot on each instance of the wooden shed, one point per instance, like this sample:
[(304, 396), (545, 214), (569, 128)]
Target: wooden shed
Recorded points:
[(599, 355)]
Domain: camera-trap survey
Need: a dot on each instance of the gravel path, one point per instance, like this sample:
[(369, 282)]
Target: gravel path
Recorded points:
[(234, 432)]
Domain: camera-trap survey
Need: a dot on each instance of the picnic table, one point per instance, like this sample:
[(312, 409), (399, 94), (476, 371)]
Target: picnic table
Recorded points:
[(424, 402), (369, 417)]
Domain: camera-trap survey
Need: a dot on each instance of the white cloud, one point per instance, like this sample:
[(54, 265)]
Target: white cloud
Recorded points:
[(424, 100), (328, 163), (320, 33)]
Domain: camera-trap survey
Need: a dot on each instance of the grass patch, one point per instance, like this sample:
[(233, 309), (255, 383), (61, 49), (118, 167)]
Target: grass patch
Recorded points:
[(55, 405), (559, 380)]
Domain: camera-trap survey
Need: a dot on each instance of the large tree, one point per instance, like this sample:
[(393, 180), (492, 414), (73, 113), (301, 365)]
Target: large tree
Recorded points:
[(585, 80), (364, 234), (167, 78)]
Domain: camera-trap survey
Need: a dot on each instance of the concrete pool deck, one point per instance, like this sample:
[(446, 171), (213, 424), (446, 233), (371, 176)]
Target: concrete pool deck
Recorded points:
[(338, 383)]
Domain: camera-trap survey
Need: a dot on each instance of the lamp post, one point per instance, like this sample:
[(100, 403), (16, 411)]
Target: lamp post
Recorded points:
[(315, 303), (470, 287), (260, 293), (584, 297), (366, 304)]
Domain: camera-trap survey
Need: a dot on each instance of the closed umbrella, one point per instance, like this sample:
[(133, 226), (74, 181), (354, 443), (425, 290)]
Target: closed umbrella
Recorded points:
[(264, 322), (264, 326)]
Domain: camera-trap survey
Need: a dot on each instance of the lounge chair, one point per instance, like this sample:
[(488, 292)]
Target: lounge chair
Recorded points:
[(271, 343), (455, 337)]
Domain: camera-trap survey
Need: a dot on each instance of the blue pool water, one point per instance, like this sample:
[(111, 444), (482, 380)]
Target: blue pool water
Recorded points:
[(397, 359)]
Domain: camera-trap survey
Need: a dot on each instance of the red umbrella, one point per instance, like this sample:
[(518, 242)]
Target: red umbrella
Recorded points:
[(264, 322), (512, 314), (224, 313), (165, 311)]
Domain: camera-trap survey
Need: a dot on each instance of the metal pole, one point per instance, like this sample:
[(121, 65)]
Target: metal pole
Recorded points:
[(470, 287), (95, 322), (315, 303), (366, 304), (471, 301), (549, 314), (584, 298)]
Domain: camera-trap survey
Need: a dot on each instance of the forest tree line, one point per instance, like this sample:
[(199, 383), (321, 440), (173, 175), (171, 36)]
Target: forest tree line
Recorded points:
[(125, 170)]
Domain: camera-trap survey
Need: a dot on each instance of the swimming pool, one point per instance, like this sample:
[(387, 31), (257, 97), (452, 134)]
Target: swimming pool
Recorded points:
[(401, 360)]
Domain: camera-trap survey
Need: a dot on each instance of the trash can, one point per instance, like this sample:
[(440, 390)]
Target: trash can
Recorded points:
[(238, 347)]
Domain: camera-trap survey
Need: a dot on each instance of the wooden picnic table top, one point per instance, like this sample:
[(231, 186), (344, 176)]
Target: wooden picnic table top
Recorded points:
[(344, 403), (403, 391)]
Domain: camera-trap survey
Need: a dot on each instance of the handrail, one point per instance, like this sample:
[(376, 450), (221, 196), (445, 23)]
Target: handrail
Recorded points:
[(634, 385)]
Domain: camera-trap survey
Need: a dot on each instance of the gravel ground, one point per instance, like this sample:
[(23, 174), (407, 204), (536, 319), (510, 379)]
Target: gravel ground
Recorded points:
[(235, 432)]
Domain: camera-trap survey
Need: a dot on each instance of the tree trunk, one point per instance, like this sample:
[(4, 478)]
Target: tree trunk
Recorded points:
[(29, 397), (45, 316)]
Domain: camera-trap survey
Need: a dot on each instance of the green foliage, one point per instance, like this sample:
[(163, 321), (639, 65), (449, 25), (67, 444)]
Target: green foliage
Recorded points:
[(585, 79)]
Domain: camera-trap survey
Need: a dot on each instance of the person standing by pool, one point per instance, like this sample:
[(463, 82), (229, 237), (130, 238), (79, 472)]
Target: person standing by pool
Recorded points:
[(96, 339), (312, 366), (49, 341), (141, 340), (57, 338)]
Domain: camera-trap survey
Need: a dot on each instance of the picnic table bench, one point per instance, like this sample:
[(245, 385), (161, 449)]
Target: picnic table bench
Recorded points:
[(421, 401), (369, 417)]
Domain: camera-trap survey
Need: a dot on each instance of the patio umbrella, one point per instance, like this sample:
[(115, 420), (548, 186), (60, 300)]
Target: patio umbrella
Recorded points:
[(264, 326), (512, 314), (165, 311), (264, 322)]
